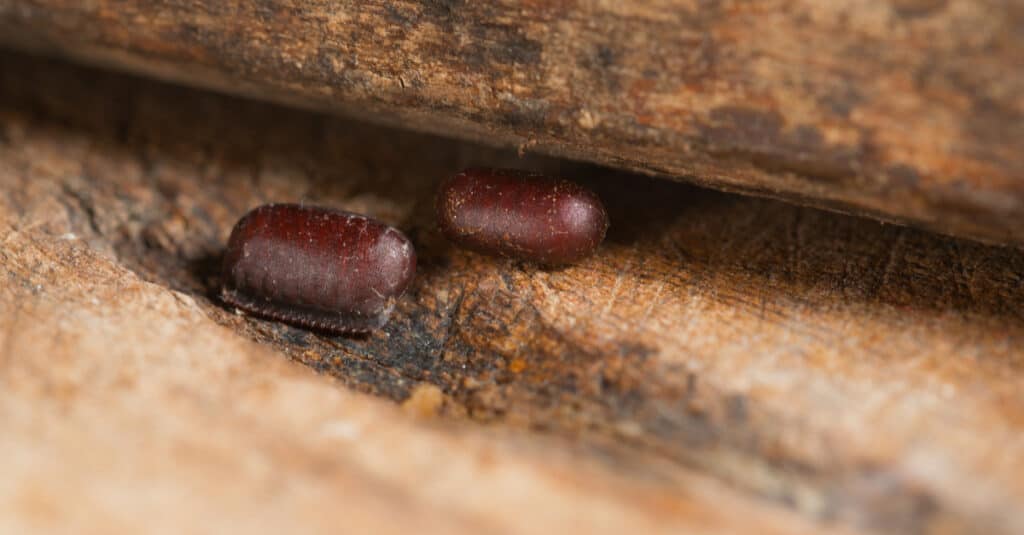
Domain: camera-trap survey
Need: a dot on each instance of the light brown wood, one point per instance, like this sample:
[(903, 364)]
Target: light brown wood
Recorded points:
[(906, 110), (722, 364)]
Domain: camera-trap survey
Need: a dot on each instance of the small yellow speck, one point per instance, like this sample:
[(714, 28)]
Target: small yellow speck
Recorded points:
[(517, 365), (424, 402)]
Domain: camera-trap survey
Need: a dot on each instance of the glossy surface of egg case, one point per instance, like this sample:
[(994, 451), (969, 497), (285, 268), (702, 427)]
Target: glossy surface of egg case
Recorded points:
[(521, 215), (316, 267)]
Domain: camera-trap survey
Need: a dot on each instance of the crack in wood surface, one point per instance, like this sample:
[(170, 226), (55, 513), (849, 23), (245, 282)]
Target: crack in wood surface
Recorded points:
[(803, 357)]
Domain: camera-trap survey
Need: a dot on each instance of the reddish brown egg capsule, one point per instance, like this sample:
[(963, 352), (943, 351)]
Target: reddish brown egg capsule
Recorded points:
[(521, 215), (316, 267)]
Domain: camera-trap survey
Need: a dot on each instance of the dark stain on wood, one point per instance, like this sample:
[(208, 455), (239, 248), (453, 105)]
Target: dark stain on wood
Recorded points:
[(912, 9), (767, 142)]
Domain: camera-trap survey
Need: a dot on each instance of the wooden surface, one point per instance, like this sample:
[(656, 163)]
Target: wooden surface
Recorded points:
[(907, 110), (723, 364)]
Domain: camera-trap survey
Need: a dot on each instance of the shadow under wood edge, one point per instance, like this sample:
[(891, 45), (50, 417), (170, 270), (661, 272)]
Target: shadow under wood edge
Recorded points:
[(752, 238)]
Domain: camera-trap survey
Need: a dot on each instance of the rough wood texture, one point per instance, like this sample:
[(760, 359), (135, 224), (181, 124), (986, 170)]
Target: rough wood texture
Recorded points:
[(722, 364), (908, 110)]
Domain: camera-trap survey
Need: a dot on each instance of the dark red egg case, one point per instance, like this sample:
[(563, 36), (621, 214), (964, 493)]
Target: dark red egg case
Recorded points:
[(320, 268), (522, 215)]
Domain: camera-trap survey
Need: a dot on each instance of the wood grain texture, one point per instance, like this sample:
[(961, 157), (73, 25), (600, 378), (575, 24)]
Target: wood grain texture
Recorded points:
[(722, 363), (906, 110)]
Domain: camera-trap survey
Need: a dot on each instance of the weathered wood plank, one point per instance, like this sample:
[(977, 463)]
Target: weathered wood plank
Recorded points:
[(907, 110), (862, 375), (126, 410)]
